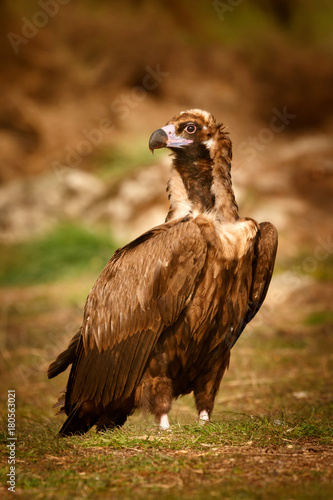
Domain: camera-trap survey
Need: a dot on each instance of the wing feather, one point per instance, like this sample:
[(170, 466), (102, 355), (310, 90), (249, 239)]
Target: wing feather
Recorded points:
[(263, 267), (262, 270), (142, 290)]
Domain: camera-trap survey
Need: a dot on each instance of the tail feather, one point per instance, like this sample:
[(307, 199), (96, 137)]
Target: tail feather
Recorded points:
[(82, 415), (65, 358)]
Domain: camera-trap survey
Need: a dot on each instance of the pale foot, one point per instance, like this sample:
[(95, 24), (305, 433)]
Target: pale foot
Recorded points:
[(203, 417), (164, 423)]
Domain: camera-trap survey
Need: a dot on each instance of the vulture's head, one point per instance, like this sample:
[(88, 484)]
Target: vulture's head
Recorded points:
[(192, 133), (200, 179)]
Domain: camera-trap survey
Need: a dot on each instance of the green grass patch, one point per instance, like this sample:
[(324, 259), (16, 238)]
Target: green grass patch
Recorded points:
[(305, 264), (65, 252), (237, 457), (232, 429), (324, 270), (319, 318)]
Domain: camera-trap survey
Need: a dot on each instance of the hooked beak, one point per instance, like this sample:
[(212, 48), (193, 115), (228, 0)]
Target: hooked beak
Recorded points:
[(166, 137)]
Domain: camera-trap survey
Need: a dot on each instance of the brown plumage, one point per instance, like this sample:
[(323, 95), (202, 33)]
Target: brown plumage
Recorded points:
[(168, 307)]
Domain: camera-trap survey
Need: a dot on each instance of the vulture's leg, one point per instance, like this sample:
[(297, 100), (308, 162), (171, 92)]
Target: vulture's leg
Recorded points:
[(204, 396), (206, 387), (157, 397), (157, 389), (161, 400)]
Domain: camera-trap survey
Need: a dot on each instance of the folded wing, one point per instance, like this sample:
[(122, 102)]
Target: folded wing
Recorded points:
[(142, 290)]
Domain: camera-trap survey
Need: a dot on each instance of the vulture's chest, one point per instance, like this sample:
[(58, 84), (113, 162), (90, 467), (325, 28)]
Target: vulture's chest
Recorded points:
[(221, 298), (230, 241)]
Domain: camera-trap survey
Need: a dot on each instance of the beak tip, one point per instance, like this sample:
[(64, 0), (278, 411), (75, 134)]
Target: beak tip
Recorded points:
[(157, 140)]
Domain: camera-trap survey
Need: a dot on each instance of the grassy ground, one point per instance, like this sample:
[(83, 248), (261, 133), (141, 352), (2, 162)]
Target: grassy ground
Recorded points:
[(270, 437)]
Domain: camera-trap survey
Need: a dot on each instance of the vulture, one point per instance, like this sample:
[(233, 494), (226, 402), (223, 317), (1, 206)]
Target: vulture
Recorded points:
[(168, 307)]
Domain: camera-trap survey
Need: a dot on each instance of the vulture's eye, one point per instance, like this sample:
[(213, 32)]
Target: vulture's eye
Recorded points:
[(191, 128)]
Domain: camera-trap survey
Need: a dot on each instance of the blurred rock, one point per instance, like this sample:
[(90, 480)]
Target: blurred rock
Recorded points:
[(32, 206), (136, 204)]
